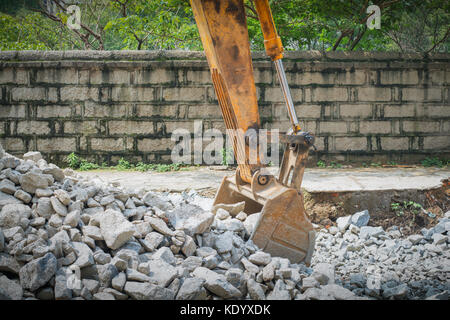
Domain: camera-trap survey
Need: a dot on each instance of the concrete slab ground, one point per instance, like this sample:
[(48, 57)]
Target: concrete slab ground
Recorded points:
[(315, 180), (328, 193)]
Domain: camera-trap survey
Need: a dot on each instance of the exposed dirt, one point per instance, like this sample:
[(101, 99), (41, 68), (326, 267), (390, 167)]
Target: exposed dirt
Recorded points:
[(325, 208)]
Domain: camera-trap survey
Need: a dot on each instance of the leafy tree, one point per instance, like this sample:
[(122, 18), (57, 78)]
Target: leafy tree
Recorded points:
[(341, 25), (154, 25), (406, 25)]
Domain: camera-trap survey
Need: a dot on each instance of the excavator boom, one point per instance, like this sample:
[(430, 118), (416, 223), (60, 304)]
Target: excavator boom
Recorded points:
[(283, 228)]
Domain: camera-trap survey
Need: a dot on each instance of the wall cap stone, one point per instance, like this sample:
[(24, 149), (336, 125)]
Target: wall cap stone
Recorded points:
[(162, 55)]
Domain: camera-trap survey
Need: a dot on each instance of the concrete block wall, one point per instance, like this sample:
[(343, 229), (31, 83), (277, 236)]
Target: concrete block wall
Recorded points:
[(363, 107)]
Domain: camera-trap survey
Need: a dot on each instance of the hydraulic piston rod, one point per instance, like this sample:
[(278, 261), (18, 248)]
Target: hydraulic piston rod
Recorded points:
[(287, 95), (274, 50)]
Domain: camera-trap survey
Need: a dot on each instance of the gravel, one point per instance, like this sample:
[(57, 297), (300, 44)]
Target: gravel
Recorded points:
[(58, 229)]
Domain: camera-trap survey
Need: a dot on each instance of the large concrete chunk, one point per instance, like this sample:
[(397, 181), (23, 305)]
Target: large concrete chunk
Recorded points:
[(38, 272), (360, 219), (255, 290), (115, 229), (32, 155), (161, 272), (147, 291), (160, 226), (84, 254), (32, 181), (324, 273), (217, 283), (233, 209), (11, 214), (190, 218), (151, 199), (10, 288), (192, 289), (7, 199), (343, 222), (9, 264)]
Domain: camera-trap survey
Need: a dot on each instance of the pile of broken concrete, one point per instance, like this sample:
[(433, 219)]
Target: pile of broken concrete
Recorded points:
[(63, 237)]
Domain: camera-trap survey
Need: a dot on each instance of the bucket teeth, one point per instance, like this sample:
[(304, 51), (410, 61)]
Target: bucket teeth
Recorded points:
[(283, 228)]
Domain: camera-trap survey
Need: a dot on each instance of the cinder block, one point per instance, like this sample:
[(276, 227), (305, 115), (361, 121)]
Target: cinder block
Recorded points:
[(155, 76), (198, 76), (333, 127), (28, 94), (421, 126), (14, 76), (94, 110), (13, 111), (130, 127), (133, 94), (184, 94), (350, 143), (57, 75), (399, 111), (52, 94), (156, 110), (33, 127), (374, 94), (12, 144), (161, 144), (355, 111), (394, 143), (329, 94), (264, 76), (6, 75), (439, 111), (275, 94), (374, 127), (84, 127), (119, 76), (407, 77), (355, 77), (54, 111), (56, 144), (436, 143), (201, 111), (171, 126), (72, 93), (421, 94), (107, 144)]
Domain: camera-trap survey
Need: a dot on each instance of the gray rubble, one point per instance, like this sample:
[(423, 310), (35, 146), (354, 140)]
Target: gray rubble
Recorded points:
[(63, 237)]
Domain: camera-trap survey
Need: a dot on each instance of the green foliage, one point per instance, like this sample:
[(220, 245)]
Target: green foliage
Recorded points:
[(86, 165), (335, 165), (434, 162), (73, 161), (123, 165), (227, 156), (409, 25), (321, 164), (77, 163), (400, 207), (376, 164), (158, 167)]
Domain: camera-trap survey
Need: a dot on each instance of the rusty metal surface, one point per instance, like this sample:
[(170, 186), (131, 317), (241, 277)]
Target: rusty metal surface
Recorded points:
[(283, 229), (223, 30)]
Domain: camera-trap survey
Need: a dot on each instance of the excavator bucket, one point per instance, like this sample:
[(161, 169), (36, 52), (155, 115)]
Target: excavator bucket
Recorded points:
[(283, 228)]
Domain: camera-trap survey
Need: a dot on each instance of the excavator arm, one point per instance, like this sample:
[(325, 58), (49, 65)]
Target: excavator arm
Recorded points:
[(283, 228)]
